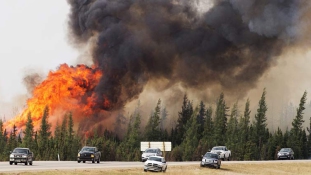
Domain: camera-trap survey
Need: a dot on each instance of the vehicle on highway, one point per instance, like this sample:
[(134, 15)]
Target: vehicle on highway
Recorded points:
[(89, 153), (21, 155), (222, 151), (155, 163), (286, 153), (150, 152), (210, 160)]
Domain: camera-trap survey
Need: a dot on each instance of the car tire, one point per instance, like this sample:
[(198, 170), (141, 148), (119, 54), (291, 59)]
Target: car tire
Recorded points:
[(30, 163), (218, 167), (145, 170), (83, 161), (26, 163), (164, 169), (11, 163), (98, 160), (229, 157), (15, 163), (93, 160), (224, 158), (79, 161)]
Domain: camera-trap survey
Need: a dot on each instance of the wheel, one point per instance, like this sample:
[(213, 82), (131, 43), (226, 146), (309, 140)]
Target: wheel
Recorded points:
[(224, 158), (229, 158), (145, 170), (30, 163), (79, 161), (218, 167), (98, 160), (93, 160), (26, 163), (11, 163), (15, 163), (201, 165), (83, 161), (164, 169)]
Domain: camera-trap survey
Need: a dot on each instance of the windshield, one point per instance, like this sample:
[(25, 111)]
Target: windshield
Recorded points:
[(20, 151), (210, 155), (150, 151), (218, 148), (158, 159), (89, 149), (285, 150)]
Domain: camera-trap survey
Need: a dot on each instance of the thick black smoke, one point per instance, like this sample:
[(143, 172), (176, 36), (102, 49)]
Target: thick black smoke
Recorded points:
[(230, 46)]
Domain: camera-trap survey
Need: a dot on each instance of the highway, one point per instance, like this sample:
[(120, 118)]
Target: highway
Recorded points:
[(72, 165)]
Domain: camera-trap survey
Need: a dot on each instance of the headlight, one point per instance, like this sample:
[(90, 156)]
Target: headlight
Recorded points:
[(203, 160), (11, 156), (24, 156), (92, 155), (78, 154)]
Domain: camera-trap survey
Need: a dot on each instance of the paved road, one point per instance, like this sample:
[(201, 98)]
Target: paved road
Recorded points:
[(63, 165)]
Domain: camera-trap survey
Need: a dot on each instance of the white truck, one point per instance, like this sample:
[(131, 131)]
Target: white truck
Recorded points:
[(222, 151)]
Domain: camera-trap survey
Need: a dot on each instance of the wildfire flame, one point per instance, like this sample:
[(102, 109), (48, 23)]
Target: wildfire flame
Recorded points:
[(69, 89)]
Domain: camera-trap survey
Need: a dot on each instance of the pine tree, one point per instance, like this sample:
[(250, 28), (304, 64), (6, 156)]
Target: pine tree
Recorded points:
[(296, 140), (201, 119), (44, 136), (243, 131), (220, 120), (152, 130), (190, 142), (2, 140), (232, 130), (260, 123), (29, 132), (208, 141), (183, 116)]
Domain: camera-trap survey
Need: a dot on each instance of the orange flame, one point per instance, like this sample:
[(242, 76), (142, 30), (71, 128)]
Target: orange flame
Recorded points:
[(67, 89)]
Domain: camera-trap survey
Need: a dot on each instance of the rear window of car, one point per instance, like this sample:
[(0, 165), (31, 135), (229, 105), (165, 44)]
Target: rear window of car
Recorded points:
[(150, 151)]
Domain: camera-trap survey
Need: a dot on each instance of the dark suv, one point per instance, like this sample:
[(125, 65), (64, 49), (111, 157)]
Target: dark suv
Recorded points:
[(286, 153), (21, 155), (89, 153)]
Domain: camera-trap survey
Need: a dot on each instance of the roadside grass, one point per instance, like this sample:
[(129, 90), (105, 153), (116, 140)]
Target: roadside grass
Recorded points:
[(271, 168)]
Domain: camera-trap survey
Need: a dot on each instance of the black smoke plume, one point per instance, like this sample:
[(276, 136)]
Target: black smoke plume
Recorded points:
[(229, 46)]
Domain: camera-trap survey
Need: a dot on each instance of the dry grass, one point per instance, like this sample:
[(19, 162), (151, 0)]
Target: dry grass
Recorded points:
[(274, 168)]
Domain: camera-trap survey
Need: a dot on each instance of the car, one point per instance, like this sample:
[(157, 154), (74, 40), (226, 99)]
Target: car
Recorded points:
[(222, 151), (150, 152), (286, 153), (21, 155), (89, 153), (211, 160), (155, 163)]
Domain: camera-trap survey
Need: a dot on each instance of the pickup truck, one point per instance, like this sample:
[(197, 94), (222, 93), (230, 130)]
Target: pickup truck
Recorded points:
[(21, 155), (222, 152), (89, 153)]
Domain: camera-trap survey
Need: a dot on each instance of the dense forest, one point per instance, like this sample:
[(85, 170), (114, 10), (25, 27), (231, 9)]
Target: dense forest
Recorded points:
[(198, 129)]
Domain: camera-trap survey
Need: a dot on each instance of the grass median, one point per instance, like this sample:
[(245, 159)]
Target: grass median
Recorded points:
[(271, 168)]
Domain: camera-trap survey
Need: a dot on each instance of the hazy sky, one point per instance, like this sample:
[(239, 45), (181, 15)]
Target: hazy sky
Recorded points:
[(33, 35)]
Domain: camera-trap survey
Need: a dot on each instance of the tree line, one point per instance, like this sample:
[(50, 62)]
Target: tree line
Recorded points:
[(198, 129)]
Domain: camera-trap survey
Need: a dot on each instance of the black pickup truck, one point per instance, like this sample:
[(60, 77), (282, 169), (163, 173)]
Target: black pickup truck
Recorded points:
[(89, 153), (21, 155)]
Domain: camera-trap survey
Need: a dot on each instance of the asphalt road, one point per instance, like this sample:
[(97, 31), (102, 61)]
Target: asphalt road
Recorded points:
[(67, 165)]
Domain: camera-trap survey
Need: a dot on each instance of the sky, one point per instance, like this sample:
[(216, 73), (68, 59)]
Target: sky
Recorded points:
[(33, 37)]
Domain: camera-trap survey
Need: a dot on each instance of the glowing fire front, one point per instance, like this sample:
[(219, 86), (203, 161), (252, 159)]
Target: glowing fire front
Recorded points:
[(68, 89)]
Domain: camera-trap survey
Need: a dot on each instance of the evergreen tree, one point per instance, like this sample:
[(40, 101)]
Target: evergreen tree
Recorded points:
[(232, 130), (152, 130), (190, 142), (44, 136), (296, 140), (220, 120), (260, 123), (2, 141), (29, 131), (201, 119), (183, 116), (243, 131)]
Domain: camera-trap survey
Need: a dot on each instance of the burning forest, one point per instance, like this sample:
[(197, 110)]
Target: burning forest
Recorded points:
[(227, 47)]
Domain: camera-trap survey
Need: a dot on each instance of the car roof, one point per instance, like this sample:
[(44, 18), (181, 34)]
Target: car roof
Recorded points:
[(21, 148)]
